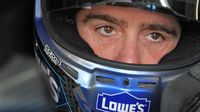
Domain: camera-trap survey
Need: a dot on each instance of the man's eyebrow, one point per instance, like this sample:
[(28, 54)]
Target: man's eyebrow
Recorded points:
[(105, 17), (169, 30)]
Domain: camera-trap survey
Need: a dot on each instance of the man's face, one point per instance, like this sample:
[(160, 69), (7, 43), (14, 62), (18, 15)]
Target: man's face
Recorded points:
[(128, 35)]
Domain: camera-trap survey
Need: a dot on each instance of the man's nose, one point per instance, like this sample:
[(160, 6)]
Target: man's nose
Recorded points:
[(129, 53)]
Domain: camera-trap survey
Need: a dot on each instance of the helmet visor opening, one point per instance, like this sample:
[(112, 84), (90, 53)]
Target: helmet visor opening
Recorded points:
[(62, 22)]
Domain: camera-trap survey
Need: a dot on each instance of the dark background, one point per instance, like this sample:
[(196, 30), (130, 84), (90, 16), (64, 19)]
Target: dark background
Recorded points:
[(16, 28), (22, 88)]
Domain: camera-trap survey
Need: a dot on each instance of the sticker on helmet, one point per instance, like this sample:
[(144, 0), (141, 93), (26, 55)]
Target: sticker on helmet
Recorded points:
[(122, 102), (51, 55)]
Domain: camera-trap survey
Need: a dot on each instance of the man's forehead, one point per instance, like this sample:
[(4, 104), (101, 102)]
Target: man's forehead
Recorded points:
[(107, 9), (123, 15)]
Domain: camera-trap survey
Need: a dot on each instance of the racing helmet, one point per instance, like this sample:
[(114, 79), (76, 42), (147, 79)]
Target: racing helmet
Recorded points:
[(80, 81)]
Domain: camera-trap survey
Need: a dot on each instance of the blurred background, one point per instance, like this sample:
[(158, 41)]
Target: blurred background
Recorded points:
[(22, 88)]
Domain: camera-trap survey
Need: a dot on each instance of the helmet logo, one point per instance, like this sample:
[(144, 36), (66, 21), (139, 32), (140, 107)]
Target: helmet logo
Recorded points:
[(51, 55), (66, 19), (54, 88), (122, 102)]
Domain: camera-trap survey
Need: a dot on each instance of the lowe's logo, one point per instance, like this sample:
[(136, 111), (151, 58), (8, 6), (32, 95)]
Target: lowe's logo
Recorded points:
[(122, 102)]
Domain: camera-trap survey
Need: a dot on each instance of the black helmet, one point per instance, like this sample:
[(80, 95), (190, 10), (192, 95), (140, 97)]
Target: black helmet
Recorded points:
[(81, 81)]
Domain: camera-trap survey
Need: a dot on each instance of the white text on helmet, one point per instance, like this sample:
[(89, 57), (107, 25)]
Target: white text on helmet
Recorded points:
[(122, 107), (51, 55)]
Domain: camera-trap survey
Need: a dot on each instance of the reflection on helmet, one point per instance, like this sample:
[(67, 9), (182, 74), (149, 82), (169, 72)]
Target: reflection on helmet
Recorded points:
[(81, 81)]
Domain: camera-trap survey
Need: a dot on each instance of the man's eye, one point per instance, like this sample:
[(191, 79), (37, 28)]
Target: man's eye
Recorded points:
[(155, 37), (106, 30)]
